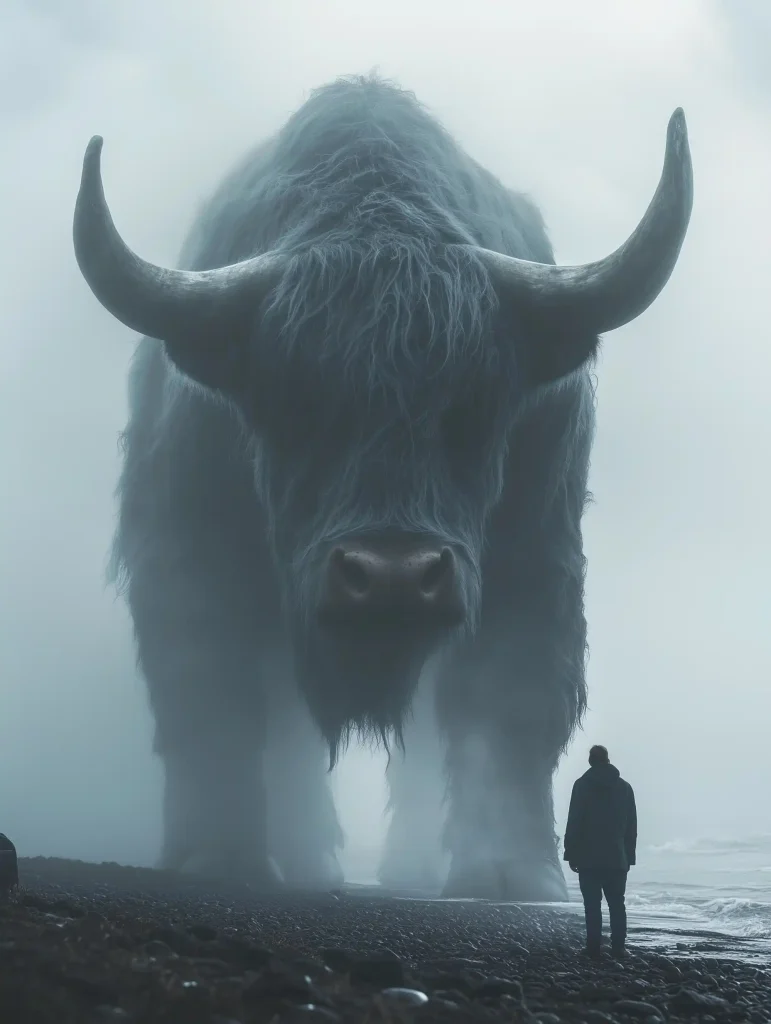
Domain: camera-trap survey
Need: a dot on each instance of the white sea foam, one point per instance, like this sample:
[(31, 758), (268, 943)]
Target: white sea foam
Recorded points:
[(681, 891), (731, 916)]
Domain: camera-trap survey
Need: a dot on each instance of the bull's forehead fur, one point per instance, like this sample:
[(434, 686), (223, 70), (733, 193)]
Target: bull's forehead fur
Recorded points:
[(363, 190)]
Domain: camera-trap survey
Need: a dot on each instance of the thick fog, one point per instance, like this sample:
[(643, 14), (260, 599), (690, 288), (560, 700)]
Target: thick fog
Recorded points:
[(566, 101)]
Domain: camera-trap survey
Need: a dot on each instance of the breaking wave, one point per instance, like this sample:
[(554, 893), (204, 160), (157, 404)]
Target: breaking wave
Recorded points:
[(710, 846), (730, 915)]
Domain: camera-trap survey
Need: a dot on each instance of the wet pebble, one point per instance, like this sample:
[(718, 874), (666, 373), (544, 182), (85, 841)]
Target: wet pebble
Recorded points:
[(315, 969), (272, 985), (383, 969), (339, 959), (401, 997), (248, 955), (306, 1013), (638, 1009), (158, 950), (690, 1001), (598, 992), (449, 995), (112, 1013), (494, 988), (669, 969)]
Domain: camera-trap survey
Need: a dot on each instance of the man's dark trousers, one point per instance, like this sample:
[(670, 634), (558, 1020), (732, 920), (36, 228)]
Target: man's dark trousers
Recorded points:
[(612, 882)]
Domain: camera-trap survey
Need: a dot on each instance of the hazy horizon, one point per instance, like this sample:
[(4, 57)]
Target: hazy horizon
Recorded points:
[(567, 102)]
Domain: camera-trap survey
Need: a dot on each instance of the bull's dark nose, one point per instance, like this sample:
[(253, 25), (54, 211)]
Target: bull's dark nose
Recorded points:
[(420, 581)]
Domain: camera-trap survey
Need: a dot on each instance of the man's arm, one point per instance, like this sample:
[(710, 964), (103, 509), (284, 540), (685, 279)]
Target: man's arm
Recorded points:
[(630, 836), (573, 825)]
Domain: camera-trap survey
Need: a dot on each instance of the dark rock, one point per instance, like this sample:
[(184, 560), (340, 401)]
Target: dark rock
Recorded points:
[(65, 908), (9, 866), (93, 924), (337, 958), (247, 955), (599, 992), (689, 1001), (307, 965), (112, 1013), (159, 950), (207, 964), (596, 1017), (442, 1006), (88, 983), (449, 995), (306, 1013), (637, 1008), (669, 969), (383, 969), (637, 987), (174, 938), (459, 981), (272, 985), (494, 988), (204, 932)]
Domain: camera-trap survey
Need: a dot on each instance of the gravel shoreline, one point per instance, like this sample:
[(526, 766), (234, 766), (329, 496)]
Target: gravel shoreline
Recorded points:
[(100, 942)]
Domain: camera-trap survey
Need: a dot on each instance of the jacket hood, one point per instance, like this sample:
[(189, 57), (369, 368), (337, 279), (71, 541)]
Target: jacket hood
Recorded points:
[(602, 775)]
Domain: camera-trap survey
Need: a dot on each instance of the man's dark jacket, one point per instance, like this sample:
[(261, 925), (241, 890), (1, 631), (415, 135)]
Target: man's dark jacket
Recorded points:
[(602, 821)]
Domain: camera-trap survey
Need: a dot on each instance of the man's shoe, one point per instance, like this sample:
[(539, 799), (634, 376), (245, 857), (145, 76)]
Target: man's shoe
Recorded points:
[(618, 952), (594, 952)]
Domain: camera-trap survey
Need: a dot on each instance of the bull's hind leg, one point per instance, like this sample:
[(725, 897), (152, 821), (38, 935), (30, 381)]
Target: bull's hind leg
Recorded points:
[(508, 704), (413, 856), (304, 833), (200, 664)]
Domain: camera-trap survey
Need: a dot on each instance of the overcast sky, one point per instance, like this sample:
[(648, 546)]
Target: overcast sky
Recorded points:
[(566, 101)]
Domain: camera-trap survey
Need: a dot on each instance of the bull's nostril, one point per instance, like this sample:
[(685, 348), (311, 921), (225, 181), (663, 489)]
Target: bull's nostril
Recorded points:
[(436, 574), (353, 575)]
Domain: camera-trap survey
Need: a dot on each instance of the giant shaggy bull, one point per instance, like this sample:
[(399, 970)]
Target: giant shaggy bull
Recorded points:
[(358, 443)]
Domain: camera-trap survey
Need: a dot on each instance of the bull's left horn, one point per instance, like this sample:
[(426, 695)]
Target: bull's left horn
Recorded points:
[(602, 296), (165, 304)]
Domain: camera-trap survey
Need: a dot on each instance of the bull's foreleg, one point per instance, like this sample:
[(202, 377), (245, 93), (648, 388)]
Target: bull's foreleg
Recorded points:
[(205, 693), (413, 857), (304, 833), (508, 704)]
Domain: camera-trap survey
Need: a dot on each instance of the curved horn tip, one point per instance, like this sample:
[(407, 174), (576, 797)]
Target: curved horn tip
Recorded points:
[(93, 152), (677, 129)]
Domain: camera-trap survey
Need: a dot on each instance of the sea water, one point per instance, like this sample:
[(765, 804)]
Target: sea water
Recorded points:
[(685, 895)]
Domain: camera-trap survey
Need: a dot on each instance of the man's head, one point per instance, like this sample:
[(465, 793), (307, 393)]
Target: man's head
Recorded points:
[(598, 755)]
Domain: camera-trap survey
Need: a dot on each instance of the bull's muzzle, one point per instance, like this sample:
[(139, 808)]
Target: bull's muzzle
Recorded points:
[(399, 580)]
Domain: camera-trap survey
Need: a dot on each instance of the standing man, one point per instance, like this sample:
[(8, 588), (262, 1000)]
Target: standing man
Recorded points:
[(600, 845)]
